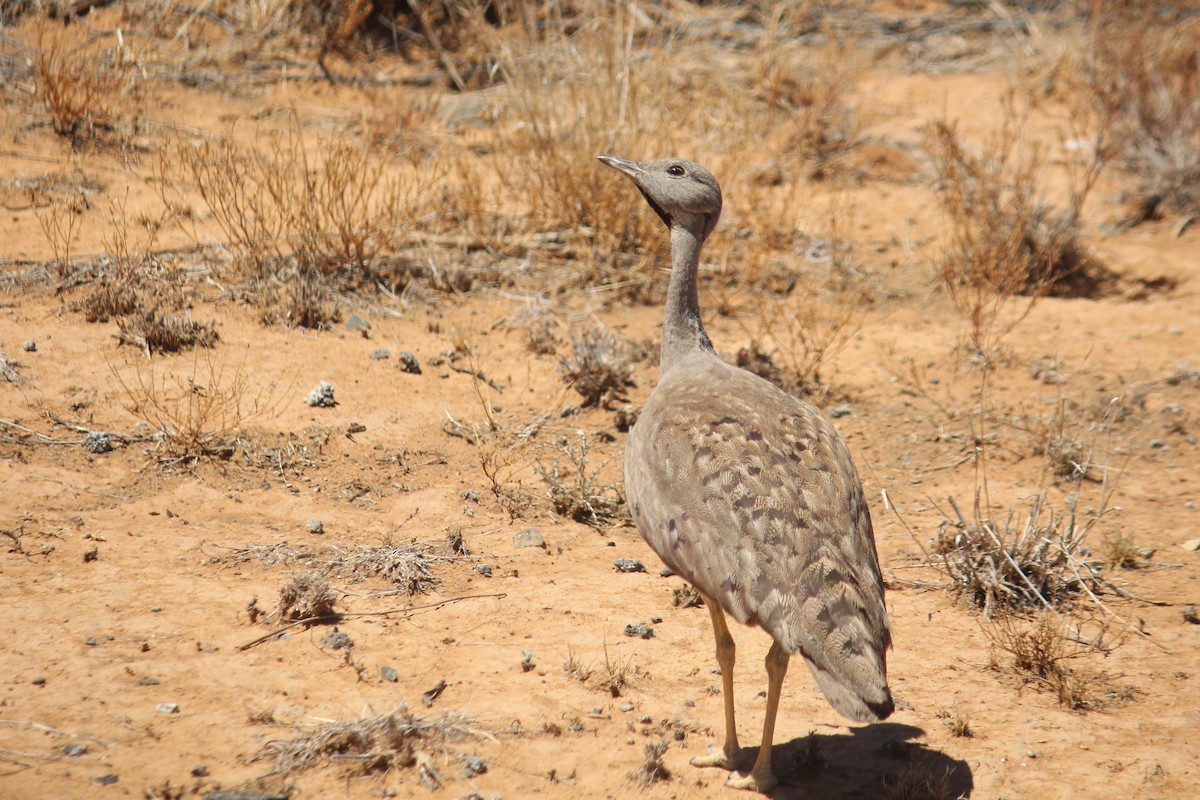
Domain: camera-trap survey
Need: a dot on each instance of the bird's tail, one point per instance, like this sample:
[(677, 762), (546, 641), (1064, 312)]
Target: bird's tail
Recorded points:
[(862, 698)]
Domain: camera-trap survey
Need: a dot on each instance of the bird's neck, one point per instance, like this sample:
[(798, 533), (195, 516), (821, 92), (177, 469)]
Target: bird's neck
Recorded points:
[(683, 332)]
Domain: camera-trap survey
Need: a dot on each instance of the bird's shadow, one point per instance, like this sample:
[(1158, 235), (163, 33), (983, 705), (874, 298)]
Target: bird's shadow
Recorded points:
[(865, 763)]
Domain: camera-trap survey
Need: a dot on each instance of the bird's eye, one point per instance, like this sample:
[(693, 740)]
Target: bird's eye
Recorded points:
[(675, 170)]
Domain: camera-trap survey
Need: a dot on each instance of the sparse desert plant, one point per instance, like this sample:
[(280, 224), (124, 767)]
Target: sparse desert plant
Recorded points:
[(333, 206), (616, 674), (807, 90), (1139, 73), (154, 331), (1040, 651), (652, 768), (307, 595), (83, 84), (1031, 560), (372, 744), (577, 491), (61, 224), (301, 298), (579, 90), (596, 367), (197, 414), (1005, 247), (796, 333), (921, 781)]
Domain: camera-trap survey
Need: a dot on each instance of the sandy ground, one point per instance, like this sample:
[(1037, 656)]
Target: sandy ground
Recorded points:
[(124, 591)]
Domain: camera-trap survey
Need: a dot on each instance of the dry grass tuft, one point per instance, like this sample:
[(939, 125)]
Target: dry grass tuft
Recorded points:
[(406, 566), (306, 596), (300, 298), (198, 414), (578, 493), (1034, 560), (1138, 74), (153, 331), (84, 85), (1004, 243), (1040, 651), (597, 368), (372, 744), (919, 781), (652, 769)]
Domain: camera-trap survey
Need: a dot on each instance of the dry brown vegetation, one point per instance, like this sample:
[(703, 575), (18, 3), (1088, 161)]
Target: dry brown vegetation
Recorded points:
[(966, 230)]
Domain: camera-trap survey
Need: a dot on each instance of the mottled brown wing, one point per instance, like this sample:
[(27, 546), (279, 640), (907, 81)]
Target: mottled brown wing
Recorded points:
[(751, 494)]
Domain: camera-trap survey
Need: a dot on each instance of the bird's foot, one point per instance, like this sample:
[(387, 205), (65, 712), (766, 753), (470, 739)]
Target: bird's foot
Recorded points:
[(715, 758), (752, 782)]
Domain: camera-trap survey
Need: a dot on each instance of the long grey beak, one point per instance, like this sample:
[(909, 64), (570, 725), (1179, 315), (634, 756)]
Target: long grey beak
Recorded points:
[(630, 168)]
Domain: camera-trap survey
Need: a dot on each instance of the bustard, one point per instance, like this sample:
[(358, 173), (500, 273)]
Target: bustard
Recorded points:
[(751, 495)]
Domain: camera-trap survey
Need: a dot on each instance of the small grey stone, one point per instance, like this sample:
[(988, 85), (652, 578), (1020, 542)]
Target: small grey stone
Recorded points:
[(200, 771), (74, 749), (680, 735), (640, 631), (530, 537), (167, 708), (646, 719), (485, 570), (30, 346), (656, 619), (474, 765), (629, 565), (381, 354), (407, 362), (839, 411), (147, 680), (314, 526), (356, 323), (107, 780), (98, 442), (90, 641), (337, 640), (626, 707), (321, 396), (1158, 444), (388, 674), (666, 572)]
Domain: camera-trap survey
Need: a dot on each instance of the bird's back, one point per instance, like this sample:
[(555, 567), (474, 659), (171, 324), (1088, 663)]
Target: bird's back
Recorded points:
[(751, 494)]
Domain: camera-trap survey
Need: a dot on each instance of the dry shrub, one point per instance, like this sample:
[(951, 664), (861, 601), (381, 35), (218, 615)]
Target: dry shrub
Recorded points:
[(407, 566), (795, 336), (1040, 651), (578, 493), (806, 91), (1004, 243), (921, 781), (153, 331), (1031, 560), (597, 368), (299, 298), (306, 596), (580, 91), (1140, 72), (333, 206), (197, 414), (652, 768), (372, 744), (108, 301), (84, 85)]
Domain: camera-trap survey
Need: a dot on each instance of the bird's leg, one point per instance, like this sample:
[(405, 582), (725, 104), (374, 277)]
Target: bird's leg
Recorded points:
[(726, 758), (761, 778)]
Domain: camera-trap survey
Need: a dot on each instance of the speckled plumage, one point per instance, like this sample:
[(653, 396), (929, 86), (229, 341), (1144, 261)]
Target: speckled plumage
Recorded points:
[(751, 495)]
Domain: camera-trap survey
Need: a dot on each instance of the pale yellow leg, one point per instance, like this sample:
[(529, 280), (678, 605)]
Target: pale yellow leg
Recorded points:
[(761, 778), (726, 758)]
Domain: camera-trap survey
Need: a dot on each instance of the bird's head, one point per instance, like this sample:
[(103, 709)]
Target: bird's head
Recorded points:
[(681, 192)]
